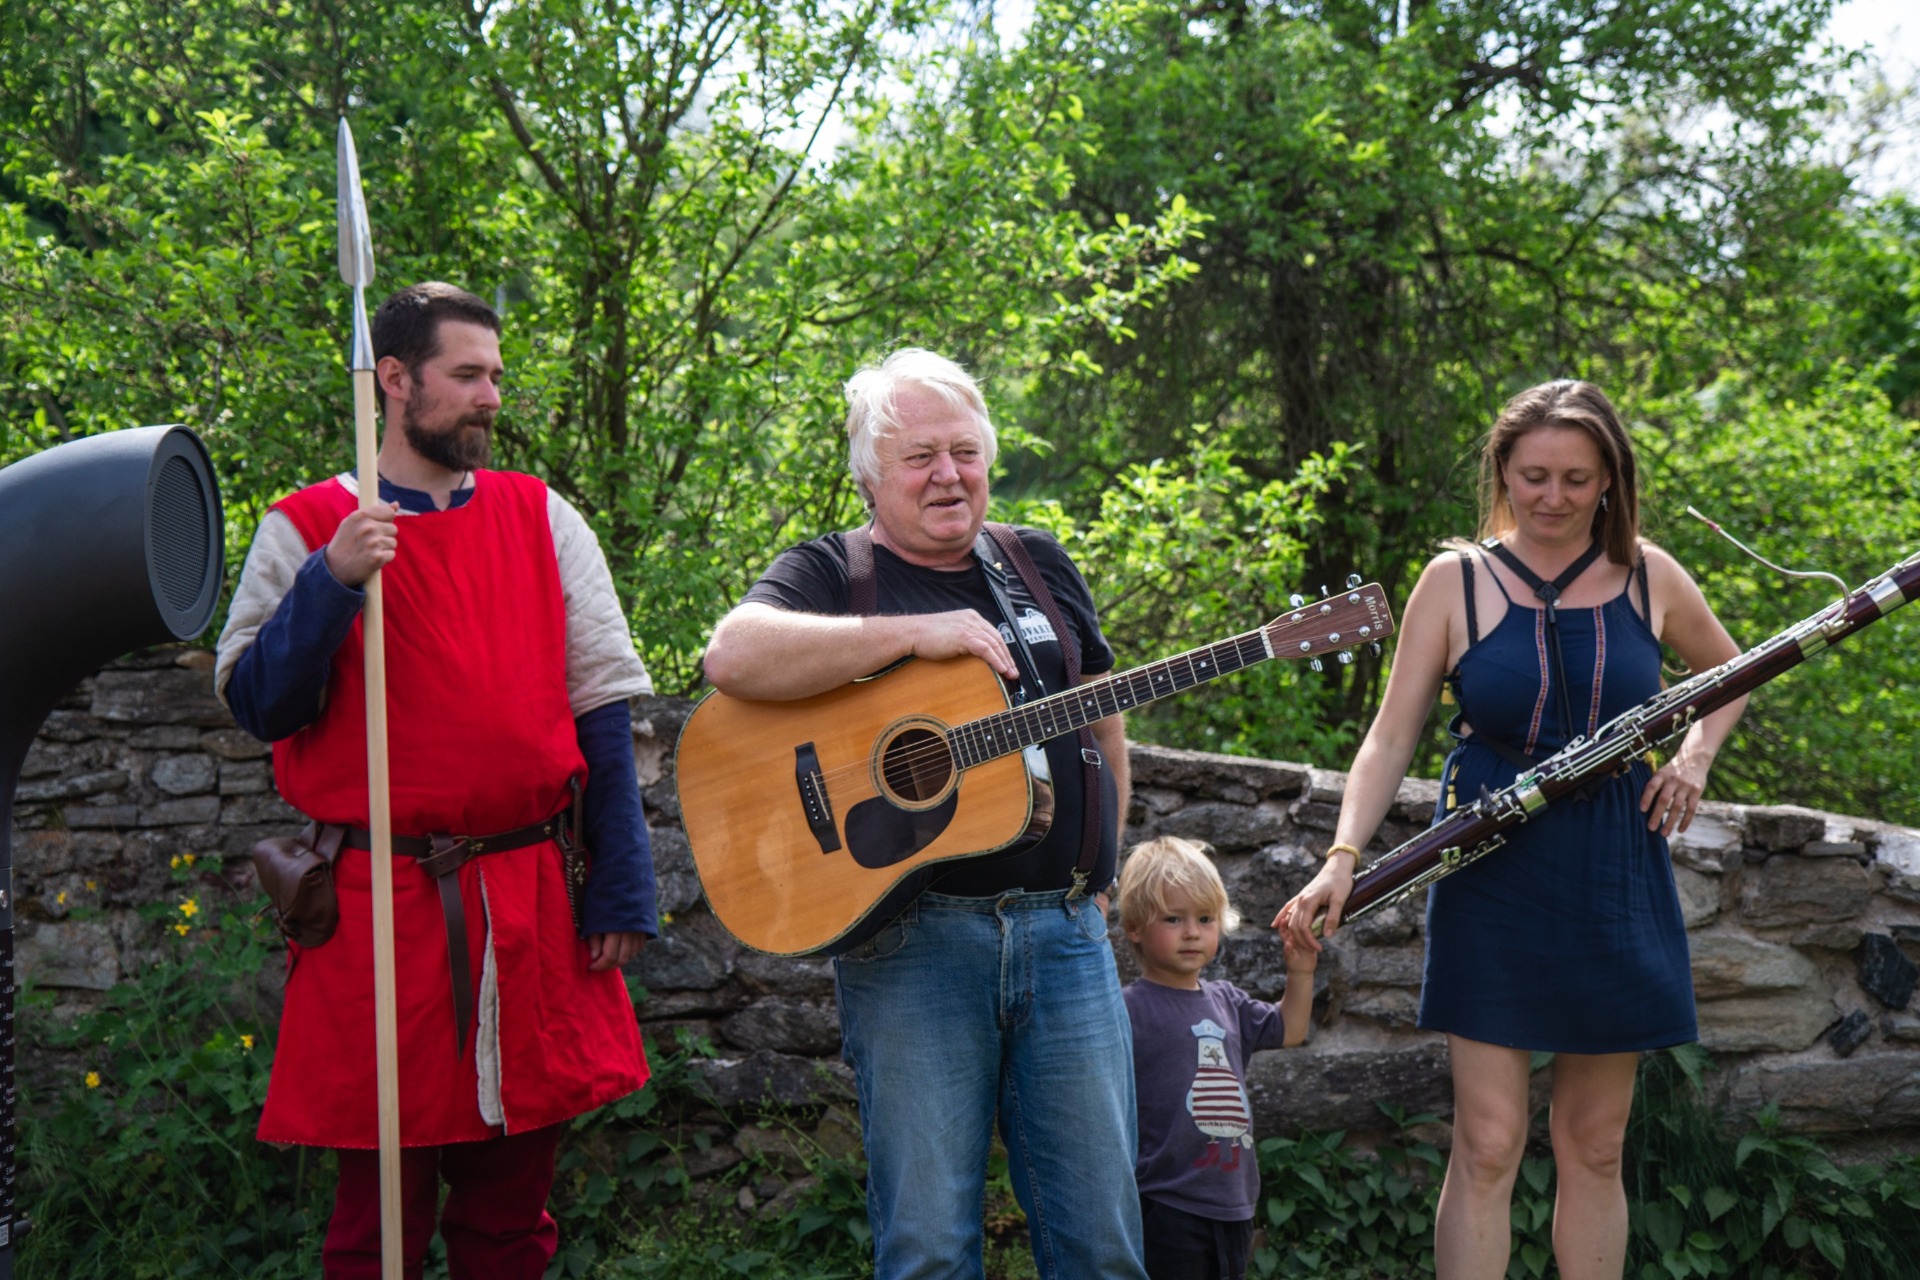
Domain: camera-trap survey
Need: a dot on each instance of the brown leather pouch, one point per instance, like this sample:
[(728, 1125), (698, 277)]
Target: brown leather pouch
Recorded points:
[(297, 873)]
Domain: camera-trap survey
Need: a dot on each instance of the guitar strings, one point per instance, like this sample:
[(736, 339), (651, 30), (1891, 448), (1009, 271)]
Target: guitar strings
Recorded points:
[(941, 749)]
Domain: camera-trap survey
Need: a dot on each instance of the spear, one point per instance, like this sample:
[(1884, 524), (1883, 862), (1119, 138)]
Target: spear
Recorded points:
[(356, 268)]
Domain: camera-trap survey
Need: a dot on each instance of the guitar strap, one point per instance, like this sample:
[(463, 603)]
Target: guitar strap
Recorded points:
[(1090, 760), (864, 600)]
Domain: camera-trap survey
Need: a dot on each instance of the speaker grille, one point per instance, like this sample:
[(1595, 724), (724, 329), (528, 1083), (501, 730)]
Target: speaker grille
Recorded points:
[(182, 533)]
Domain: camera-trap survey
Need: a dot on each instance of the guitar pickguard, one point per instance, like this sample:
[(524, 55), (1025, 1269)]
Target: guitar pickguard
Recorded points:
[(880, 834)]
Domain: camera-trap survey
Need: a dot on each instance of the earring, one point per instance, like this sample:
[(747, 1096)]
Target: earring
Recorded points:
[(1603, 502)]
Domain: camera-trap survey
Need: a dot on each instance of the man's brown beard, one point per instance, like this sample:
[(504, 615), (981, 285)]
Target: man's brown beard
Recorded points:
[(456, 448)]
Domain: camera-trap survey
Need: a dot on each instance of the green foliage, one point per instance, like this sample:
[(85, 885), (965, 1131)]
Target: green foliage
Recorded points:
[(1329, 1210), (145, 1163), (1770, 1206), (1826, 482), (1189, 550)]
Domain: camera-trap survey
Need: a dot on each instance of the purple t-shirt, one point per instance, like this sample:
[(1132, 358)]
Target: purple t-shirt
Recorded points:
[(1190, 1051)]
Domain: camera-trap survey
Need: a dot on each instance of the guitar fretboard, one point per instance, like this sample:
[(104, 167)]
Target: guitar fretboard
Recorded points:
[(990, 737)]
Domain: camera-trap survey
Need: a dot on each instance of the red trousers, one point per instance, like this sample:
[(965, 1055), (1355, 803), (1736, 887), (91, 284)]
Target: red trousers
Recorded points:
[(495, 1221)]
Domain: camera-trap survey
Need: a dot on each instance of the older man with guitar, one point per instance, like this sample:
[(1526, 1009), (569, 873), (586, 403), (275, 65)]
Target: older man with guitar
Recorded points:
[(979, 987)]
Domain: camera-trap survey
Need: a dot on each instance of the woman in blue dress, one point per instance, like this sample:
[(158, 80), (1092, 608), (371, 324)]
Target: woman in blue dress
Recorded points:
[(1569, 940)]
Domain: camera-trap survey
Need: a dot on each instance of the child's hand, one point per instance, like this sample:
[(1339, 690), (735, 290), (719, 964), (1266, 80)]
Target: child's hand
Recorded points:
[(1301, 958)]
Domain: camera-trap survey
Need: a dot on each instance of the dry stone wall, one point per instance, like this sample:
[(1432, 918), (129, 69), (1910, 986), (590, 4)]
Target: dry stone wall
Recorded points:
[(1804, 926)]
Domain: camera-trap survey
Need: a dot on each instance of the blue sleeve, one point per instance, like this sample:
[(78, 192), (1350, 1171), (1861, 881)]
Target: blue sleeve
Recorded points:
[(620, 893), (278, 686)]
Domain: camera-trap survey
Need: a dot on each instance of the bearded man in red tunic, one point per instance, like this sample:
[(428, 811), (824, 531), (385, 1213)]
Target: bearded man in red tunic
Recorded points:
[(509, 667)]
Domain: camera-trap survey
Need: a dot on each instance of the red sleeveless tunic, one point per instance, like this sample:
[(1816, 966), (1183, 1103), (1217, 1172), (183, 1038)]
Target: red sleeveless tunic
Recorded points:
[(480, 739)]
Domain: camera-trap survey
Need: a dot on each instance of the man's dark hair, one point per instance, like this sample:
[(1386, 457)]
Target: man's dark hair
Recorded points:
[(407, 325)]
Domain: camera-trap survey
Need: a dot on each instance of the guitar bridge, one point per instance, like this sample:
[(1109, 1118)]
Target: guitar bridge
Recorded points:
[(813, 797)]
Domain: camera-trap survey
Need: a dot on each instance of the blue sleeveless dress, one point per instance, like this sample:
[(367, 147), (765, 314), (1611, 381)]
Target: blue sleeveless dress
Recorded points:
[(1569, 939)]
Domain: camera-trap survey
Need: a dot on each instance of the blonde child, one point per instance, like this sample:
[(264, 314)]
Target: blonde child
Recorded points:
[(1191, 1041)]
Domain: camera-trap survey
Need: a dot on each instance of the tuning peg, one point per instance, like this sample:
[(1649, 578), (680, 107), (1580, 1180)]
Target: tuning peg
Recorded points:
[(1324, 592), (1375, 646), (1315, 664), (1353, 580), (1296, 600), (1345, 656)]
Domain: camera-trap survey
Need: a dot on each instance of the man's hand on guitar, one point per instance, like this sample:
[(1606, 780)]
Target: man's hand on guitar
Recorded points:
[(963, 631)]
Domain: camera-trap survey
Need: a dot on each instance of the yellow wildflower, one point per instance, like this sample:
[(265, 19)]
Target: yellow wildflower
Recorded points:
[(174, 862), (187, 858), (190, 908), (246, 1043), (182, 929), (60, 899), (666, 917), (91, 886), (93, 1079)]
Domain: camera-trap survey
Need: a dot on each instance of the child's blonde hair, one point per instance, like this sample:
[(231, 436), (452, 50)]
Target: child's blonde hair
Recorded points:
[(1159, 870)]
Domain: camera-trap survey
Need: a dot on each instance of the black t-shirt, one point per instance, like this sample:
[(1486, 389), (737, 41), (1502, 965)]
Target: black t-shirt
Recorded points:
[(812, 578)]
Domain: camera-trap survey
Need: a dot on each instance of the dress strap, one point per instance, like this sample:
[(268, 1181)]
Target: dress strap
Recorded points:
[(1466, 584), (1646, 602)]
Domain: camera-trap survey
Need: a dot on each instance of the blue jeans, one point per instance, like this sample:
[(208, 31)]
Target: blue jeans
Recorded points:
[(968, 1008)]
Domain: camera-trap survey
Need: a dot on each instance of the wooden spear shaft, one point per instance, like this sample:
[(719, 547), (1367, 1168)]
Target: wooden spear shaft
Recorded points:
[(356, 268)]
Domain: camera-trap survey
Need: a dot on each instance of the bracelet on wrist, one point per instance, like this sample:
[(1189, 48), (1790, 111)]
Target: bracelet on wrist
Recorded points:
[(1346, 848)]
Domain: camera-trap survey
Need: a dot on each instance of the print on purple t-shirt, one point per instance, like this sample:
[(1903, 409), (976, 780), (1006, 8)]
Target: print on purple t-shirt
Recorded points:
[(1190, 1051)]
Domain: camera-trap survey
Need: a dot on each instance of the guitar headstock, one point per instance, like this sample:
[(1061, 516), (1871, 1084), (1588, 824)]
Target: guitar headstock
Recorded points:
[(1359, 615)]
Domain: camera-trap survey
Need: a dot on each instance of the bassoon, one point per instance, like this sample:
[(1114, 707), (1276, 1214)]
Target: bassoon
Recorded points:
[(1474, 830)]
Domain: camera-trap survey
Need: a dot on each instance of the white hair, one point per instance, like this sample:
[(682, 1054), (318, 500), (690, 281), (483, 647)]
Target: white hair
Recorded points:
[(871, 414)]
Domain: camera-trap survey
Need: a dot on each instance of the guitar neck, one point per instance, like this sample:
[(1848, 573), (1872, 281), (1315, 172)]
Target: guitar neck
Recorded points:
[(991, 737)]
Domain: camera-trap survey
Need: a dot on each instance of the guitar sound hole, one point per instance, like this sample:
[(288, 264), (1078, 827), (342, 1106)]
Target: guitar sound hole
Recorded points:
[(917, 765)]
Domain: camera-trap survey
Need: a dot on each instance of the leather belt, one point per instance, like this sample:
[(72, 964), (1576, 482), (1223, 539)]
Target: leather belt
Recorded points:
[(441, 856)]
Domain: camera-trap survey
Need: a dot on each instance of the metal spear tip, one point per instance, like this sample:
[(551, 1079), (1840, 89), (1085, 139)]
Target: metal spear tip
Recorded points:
[(356, 232)]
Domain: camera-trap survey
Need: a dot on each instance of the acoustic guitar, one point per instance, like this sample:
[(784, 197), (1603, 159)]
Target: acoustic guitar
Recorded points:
[(802, 815)]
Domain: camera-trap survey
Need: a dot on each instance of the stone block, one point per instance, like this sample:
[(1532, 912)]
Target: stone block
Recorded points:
[(165, 737), (787, 1026), (802, 976), (174, 695), (1711, 841), (1158, 801), (692, 954), (676, 883), (117, 817), (1316, 816), (1899, 849), (1386, 966), (1394, 1008), (1699, 896), (77, 954), (71, 787), (1876, 1090), (1885, 972), (245, 777), (68, 725), (1229, 828), (1850, 1033), (1732, 964), (178, 813), (1784, 826), (1792, 890), (1830, 937), (184, 775), (1305, 1088), (1773, 1022), (1211, 776), (234, 744), (767, 1077), (1416, 799), (263, 809)]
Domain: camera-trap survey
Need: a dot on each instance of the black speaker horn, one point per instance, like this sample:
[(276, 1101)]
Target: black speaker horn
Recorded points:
[(108, 544)]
